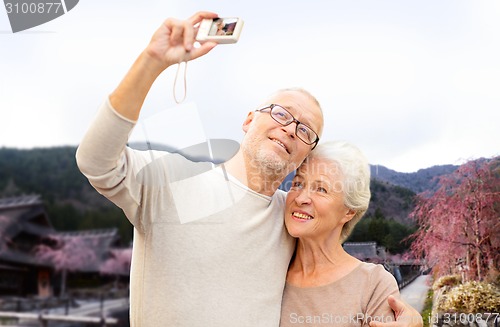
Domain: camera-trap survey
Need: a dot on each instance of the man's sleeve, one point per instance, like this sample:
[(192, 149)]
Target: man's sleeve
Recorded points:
[(104, 159)]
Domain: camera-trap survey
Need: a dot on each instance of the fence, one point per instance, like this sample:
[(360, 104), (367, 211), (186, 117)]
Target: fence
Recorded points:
[(66, 311), (44, 319)]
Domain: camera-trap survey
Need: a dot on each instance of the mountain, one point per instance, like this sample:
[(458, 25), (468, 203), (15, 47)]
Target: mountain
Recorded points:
[(73, 204), (390, 201), (422, 180)]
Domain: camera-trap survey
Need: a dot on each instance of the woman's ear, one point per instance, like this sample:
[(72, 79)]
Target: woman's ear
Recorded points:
[(349, 215), (248, 121)]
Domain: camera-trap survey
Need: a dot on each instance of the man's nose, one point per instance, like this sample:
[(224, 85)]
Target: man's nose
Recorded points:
[(290, 129)]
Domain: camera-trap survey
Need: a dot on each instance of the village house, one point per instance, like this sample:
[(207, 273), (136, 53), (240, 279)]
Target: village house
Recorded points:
[(25, 227)]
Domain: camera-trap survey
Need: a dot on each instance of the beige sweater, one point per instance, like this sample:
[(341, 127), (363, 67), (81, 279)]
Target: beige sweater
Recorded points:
[(351, 301), (206, 251)]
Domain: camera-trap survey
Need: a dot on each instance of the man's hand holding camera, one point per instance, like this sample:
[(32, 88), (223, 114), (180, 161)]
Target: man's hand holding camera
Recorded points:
[(174, 41)]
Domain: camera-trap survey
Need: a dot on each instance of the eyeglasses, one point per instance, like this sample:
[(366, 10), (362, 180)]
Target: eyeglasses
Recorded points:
[(285, 118)]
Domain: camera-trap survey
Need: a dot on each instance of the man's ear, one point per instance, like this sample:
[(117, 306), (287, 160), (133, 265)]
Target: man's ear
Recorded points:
[(248, 121)]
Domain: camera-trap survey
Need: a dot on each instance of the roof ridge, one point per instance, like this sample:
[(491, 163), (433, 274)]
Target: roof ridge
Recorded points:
[(360, 243), (89, 232), (20, 201)]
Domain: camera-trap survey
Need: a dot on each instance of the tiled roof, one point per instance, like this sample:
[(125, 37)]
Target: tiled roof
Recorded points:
[(20, 201), (361, 250)]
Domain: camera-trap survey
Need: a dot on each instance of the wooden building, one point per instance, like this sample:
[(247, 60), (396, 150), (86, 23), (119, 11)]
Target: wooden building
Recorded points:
[(366, 251), (24, 227), (23, 224)]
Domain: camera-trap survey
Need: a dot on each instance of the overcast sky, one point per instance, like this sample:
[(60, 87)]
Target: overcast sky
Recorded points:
[(412, 83)]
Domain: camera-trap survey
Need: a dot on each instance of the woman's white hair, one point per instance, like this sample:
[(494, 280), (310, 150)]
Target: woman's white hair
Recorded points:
[(355, 173)]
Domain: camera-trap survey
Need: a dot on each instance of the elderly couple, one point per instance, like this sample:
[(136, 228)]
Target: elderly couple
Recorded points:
[(223, 246)]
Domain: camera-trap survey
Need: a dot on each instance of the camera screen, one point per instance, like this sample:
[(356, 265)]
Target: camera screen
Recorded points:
[(222, 26)]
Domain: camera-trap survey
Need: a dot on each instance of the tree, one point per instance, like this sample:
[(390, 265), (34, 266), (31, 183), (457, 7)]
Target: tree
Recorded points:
[(386, 232), (459, 224), (67, 253)]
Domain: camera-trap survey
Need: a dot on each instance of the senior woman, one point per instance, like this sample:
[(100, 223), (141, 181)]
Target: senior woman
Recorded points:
[(325, 286)]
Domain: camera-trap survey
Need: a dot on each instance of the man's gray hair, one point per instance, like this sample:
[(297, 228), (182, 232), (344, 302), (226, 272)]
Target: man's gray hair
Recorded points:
[(306, 93)]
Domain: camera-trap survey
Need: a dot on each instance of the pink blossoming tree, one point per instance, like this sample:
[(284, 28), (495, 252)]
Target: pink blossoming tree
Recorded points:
[(118, 264), (459, 224), (67, 254)]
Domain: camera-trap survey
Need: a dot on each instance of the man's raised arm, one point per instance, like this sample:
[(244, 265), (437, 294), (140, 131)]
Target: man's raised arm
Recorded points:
[(98, 155), (172, 43)]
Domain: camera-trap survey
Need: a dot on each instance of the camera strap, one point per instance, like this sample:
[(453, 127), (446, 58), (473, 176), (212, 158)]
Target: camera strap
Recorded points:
[(185, 82)]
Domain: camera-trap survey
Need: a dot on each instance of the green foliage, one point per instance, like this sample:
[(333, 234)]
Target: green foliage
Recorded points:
[(471, 297), (427, 310), (66, 218), (386, 232), (405, 194), (390, 201), (378, 214), (46, 171), (81, 281), (109, 218)]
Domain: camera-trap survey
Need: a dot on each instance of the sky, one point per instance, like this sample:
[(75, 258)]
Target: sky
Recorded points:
[(412, 83)]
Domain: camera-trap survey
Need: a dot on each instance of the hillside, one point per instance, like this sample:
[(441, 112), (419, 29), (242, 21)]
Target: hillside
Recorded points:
[(73, 204), (391, 201), (422, 180)]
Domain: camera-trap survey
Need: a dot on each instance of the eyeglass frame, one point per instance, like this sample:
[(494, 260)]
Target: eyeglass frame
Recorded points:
[(294, 120)]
